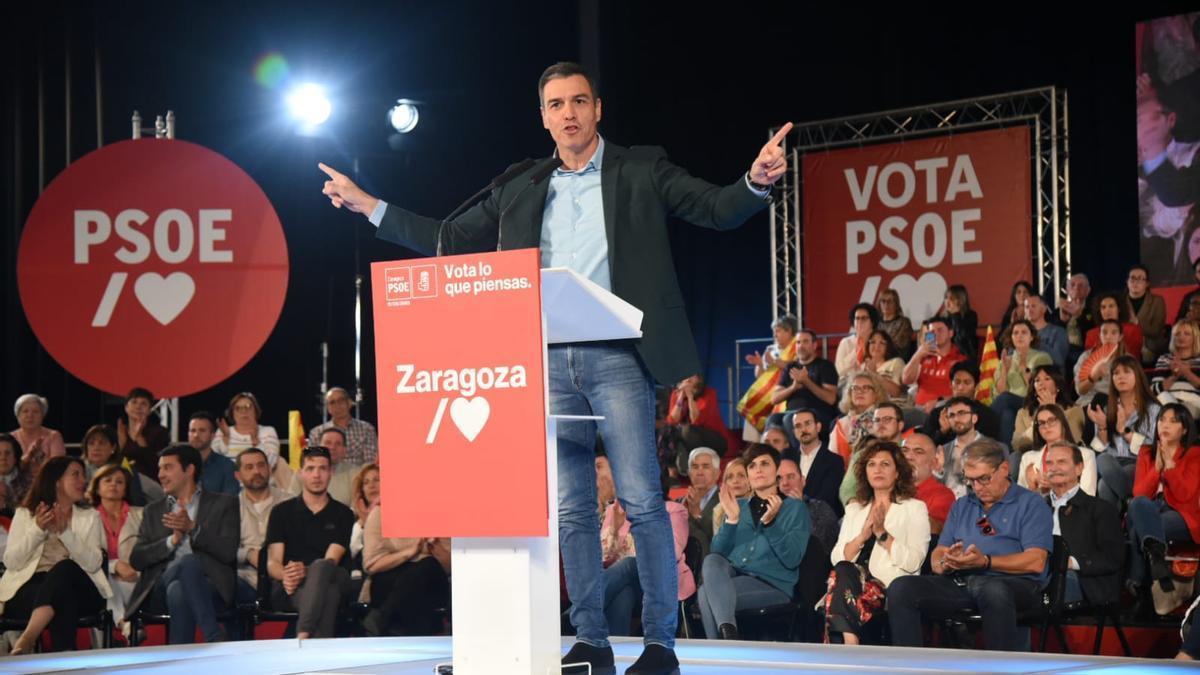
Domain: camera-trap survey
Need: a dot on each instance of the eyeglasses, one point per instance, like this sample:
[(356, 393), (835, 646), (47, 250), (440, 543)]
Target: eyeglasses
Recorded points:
[(985, 527), (888, 419), (1047, 422), (861, 388), (980, 480), (1137, 278), (959, 413)]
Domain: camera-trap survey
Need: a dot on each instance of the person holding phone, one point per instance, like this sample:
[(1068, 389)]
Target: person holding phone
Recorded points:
[(992, 557), (929, 367)]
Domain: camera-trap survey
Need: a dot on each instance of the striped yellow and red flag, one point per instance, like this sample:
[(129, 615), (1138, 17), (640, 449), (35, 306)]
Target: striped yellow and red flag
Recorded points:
[(755, 405), (985, 391)]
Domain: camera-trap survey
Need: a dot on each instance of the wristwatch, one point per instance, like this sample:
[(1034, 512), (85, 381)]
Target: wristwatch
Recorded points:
[(757, 186), (883, 537)]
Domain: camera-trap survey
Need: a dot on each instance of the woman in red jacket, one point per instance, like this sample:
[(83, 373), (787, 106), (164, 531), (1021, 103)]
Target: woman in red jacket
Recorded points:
[(1166, 502)]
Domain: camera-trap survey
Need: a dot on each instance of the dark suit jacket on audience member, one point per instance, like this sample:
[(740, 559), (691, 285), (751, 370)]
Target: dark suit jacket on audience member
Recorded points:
[(1091, 530), (824, 479), (214, 541), (702, 528)]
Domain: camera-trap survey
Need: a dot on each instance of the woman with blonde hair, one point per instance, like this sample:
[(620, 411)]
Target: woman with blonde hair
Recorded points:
[(1177, 373), (738, 480), (863, 392)]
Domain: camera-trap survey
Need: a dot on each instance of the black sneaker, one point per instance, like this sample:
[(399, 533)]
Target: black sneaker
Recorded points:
[(601, 659), (655, 660)]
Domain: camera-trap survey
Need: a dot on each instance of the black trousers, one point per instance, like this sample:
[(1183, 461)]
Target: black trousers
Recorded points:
[(409, 594), (998, 599), (66, 588)]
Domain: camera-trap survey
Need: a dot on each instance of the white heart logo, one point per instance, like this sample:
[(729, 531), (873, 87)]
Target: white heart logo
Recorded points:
[(165, 297), (920, 298), (470, 415)]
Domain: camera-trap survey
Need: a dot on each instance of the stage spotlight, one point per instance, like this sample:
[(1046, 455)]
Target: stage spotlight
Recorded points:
[(404, 116), (308, 105)]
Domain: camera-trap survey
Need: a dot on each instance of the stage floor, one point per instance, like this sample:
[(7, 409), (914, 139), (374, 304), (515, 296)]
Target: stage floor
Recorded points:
[(698, 657)]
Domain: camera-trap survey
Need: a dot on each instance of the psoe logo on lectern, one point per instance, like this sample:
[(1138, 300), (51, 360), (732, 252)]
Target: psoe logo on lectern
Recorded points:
[(404, 284)]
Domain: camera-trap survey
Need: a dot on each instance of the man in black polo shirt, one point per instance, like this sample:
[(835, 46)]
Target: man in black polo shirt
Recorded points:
[(307, 540), (808, 382)]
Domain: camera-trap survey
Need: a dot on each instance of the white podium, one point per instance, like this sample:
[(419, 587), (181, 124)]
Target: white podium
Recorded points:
[(505, 600)]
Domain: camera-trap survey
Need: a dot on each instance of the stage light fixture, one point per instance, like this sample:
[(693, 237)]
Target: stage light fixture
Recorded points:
[(308, 104), (404, 116)]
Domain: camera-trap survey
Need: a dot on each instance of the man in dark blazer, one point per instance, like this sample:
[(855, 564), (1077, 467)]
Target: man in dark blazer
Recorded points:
[(704, 465), (187, 550), (1090, 528), (822, 469), (604, 215)]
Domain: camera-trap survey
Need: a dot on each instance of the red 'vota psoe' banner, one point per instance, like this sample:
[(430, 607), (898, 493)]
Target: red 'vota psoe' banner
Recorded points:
[(462, 407), (154, 263), (917, 216)]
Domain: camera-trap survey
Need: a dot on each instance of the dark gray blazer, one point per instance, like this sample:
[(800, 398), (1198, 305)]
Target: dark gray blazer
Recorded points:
[(214, 541), (639, 189)]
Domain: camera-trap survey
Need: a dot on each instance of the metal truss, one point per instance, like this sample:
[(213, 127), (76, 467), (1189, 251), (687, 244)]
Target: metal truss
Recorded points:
[(1043, 110)]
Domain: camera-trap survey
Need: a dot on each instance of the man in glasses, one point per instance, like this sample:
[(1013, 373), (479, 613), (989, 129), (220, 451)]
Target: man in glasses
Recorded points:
[(362, 442), (961, 414), (991, 558), (964, 379)]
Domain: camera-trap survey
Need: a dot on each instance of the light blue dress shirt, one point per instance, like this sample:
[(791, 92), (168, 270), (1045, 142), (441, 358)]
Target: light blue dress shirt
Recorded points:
[(573, 232)]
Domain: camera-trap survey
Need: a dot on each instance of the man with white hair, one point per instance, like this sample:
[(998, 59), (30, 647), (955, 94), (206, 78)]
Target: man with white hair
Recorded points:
[(704, 465), (362, 441), (1075, 312)]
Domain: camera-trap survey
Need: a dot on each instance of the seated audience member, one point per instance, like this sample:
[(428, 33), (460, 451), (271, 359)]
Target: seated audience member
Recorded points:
[(882, 359), (1049, 387), (887, 424), (884, 535), (217, 472), (739, 484), (366, 497), (1166, 502), (1190, 649), (1092, 368), (756, 554), (893, 321), (1126, 423), (140, 438), (821, 469), (341, 477), (255, 502), (307, 540), (1176, 377), (1186, 305), (186, 550), (622, 585), (962, 423), (16, 480), (793, 484), (992, 557), (863, 392), (964, 380), (409, 581), (362, 441), (245, 412), (694, 411), (851, 351), (1014, 374), (929, 367), (1075, 313), (100, 450), (1112, 307), (53, 572), (1148, 311), (808, 382), (1021, 291), (784, 330), (964, 321), (38, 443), (1052, 338), (1051, 427), (701, 498), (1090, 528), (108, 493), (606, 491), (919, 450), (774, 436)]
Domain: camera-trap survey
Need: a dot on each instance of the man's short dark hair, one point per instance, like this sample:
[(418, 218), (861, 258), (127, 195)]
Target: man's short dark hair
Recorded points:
[(16, 446), (316, 451), (965, 366), (139, 392), (334, 430), (250, 451), (805, 411), (961, 400), (187, 456), (566, 69), (809, 332), (895, 408), (872, 313), (757, 450), (205, 415), (939, 319)]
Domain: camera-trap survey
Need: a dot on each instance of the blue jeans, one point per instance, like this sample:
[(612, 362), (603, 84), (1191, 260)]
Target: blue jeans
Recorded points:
[(191, 601), (998, 599), (1116, 477), (726, 590), (609, 380), (621, 593), (1151, 519)]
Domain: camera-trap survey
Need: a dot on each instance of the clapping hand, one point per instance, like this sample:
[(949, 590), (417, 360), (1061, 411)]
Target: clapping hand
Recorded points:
[(729, 503)]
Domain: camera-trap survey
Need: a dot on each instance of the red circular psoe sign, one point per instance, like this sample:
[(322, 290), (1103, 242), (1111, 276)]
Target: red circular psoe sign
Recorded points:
[(154, 263)]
